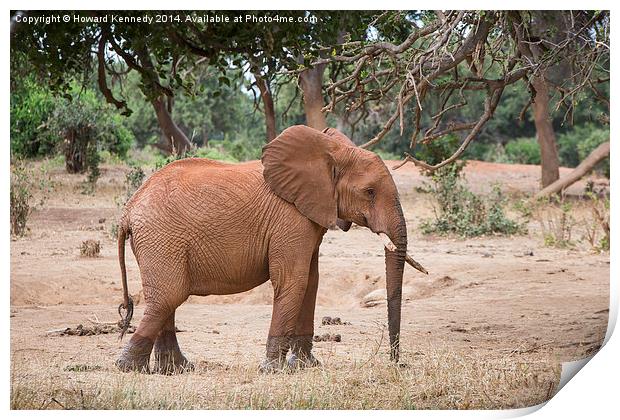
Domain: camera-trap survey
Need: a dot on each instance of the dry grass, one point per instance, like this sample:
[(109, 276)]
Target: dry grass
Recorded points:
[(437, 378), (90, 248)]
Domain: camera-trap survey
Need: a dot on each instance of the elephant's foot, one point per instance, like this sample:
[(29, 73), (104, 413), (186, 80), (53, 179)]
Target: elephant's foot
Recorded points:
[(301, 353), (168, 357), (136, 354), (277, 347)]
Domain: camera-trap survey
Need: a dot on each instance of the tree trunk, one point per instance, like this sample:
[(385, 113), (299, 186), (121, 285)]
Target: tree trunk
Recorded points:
[(598, 154), (549, 159), (311, 82), (178, 141), (269, 110), (75, 146)]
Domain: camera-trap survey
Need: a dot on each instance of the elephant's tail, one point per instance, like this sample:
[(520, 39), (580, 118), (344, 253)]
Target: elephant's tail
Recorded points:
[(127, 305)]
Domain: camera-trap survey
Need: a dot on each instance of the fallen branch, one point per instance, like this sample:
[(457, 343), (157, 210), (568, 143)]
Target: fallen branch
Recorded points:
[(597, 155)]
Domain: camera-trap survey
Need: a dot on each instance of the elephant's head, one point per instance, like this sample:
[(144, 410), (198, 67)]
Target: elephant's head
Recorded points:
[(331, 181)]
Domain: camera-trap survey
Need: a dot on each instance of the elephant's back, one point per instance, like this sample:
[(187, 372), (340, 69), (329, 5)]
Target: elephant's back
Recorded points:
[(196, 191), (192, 177)]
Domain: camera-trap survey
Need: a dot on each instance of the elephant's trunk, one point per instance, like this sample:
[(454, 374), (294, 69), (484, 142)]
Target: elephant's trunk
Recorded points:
[(394, 266)]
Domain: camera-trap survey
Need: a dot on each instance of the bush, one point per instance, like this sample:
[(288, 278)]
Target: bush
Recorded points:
[(388, 155), (437, 150), (133, 181), (523, 150), (31, 106), (556, 221), (575, 145), (598, 221), (24, 183), (42, 124), (224, 151), (461, 212), (85, 126)]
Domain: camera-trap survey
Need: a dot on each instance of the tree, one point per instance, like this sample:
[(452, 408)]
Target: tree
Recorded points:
[(165, 54), (449, 57), (597, 155)]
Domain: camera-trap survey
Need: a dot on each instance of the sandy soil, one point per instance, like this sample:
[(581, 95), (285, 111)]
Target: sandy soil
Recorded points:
[(491, 298)]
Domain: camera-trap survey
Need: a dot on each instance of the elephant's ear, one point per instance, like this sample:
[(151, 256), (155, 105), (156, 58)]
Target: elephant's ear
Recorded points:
[(300, 168), (332, 132)]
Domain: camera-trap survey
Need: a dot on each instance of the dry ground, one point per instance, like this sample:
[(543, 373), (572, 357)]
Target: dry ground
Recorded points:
[(488, 328)]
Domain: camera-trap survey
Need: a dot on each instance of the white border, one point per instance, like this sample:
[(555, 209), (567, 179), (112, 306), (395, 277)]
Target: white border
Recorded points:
[(593, 394)]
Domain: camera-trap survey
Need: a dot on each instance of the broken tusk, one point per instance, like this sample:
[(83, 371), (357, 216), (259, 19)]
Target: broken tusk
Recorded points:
[(389, 245), (415, 264), (387, 242)]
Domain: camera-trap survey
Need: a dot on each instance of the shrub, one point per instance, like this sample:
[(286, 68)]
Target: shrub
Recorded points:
[(90, 248), (523, 150), (24, 183), (388, 155), (133, 181), (556, 221), (575, 145), (42, 124), (461, 212), (87, 126), (224, 151), (31, 106), (437, 150), (496, 153), (92, 163), (599, 210)]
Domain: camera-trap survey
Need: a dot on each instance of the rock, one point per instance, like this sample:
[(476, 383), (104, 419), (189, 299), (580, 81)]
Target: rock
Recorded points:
[(379, 296), (374, 298)]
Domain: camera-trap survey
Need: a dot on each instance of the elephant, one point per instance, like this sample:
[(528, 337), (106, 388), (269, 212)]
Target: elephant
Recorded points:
[(203, 227)]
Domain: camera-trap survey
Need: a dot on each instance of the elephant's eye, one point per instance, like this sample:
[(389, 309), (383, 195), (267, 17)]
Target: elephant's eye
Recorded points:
[(370, 193)]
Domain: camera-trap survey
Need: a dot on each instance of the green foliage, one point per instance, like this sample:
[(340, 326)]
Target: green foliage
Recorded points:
[(31, 106), (523, 150), (133, 180), (387, 155), (226, 151), (461, 212), (204, 117), (576, 145), (84, 126), (214, 102), (29, 189), (438, 150), (42, 124)]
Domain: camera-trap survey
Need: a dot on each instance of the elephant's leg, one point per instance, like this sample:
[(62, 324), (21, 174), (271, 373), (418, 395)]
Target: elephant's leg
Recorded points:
[(136, 354), (301, 342), (290, 278), (168, 356)]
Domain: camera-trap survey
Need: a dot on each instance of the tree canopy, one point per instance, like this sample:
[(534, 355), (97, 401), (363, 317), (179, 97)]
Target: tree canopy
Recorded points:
[(397, 80)]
